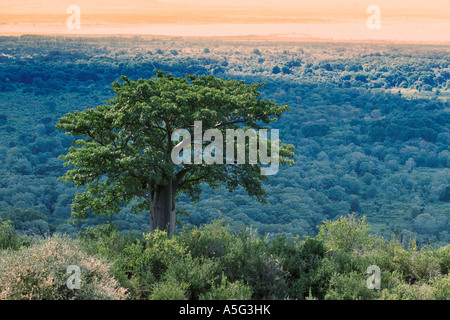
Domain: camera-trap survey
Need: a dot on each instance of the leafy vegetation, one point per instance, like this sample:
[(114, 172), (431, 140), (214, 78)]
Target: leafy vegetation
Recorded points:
[(39, 272), (127, 152), (370, 126), (369, 123), (212, 262)]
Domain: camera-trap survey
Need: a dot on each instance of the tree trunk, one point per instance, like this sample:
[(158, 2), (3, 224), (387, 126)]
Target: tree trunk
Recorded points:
[(162, 209)]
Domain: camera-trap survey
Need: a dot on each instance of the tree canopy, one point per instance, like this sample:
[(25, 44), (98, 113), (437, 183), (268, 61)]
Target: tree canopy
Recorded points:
[(124, 147)]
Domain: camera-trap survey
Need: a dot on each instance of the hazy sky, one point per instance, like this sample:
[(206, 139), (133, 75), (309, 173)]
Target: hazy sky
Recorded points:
[(400, 19), (401, 7)]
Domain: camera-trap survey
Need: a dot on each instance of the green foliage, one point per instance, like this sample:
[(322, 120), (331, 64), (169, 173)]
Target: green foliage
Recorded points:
[(169, 289), (378, 128), (243, 257), (315, 130), (408, 263), (249, 260), (228, 291), (198, 274), (347, 234), (302, 261), (435, 289), (126, 152), (146, 261), (443, 256), (9, 238), (350, 286), (215, 263), (161, 251), (19, 216), (103, 240), (208, 241), (370, 138)]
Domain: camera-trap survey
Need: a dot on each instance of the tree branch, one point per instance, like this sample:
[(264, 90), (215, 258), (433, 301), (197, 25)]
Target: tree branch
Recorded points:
[(192, 180), (228, 123), (115, 198)]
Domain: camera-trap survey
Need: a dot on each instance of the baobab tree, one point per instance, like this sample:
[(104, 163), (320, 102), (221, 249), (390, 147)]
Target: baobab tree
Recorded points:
[(123, 151)]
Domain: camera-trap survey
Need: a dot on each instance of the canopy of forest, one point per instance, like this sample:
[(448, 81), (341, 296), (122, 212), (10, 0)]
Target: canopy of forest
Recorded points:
[(369, 122)]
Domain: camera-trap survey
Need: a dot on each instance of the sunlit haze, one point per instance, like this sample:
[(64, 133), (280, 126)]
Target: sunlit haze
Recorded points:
[(399, 20)]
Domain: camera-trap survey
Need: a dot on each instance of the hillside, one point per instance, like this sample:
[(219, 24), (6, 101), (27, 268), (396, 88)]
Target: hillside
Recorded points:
[(370, 123)]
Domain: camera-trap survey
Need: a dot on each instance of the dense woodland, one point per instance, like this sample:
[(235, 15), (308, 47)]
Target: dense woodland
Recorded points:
[(370, 123), (370, 184)]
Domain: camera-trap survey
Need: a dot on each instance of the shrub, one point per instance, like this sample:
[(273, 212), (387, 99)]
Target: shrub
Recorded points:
[(441, 287), (350, 286), (8, 236), (171, 289), (302, 260), (410, 264), (438, 288), (39, 272), (249, 260), (102, 240), (161, 251), (443, 255), (209, 241), (346, 234), (199, 275), (228, 291), (422, 264), (143, 263), (124, 253)]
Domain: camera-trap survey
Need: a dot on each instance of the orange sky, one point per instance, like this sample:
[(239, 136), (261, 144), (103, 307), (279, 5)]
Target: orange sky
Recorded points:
[(405, 20)]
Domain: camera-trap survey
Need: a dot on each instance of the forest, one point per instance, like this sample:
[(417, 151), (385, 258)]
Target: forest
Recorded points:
[(370, 126), (369, 123)]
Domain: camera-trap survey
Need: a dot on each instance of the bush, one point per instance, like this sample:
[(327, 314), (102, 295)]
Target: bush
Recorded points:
[(443, 256), (228, 291), (106, 242), (249, 260), (211, 263), (199, 275), (409, 264), (415, 264), (39, 272), (143, 263), (161, 251), (8, 236), (171, 289), (209, 241), (346, 234), (350, 286), (437, 289), (102, 240), (302, 260)]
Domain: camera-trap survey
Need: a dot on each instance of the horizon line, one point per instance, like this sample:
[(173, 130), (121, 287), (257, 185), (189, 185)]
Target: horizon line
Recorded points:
[(272, 38)]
